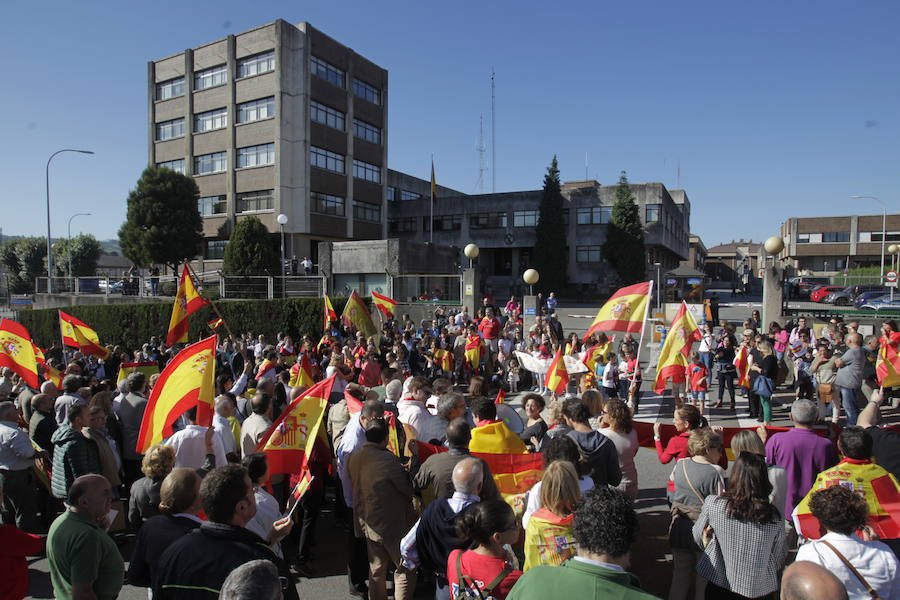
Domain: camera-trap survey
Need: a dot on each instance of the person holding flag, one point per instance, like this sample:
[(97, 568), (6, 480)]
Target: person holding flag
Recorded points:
[(187, 301), (673, 358)]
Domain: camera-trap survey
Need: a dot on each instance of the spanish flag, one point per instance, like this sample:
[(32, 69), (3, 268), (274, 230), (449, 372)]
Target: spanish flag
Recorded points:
[(673, 358), (473, 351), (17, 351), (877, 487), (384, 304), (289, 442), (188, 380), (887, 366), (444, 360), (557, 374), (187, 301), (147, 368), (742, 364), (501, 397), (50, 374), (76, 334), (356, 314), (624, 311), (301, 373), (215, 323), (330, 315)]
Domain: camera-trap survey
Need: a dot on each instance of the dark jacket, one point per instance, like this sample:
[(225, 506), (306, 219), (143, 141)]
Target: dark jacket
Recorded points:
[(41, 428), (599, 458), (73, 456), (153, 539), (144, 502), (196, 565)]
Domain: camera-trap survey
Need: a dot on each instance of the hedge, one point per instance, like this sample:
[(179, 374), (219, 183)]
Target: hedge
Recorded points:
[(131, 325)]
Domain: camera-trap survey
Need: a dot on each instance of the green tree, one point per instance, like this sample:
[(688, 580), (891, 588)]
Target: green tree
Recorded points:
[(86, 251), (251, 250), (550, 235), (23, 260), (163, 225), (624, 246)]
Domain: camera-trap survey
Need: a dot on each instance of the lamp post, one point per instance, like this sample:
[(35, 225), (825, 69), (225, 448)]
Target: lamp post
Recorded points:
[(531, 277), (883, 225), (658, 285), (49, 249), (471, 251), (470, 282), (773, 290), (69, 239), (282, 221)]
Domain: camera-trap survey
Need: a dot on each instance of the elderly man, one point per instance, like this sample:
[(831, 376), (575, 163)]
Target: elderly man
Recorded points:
[(255, 580), (73, 454), (851, 365), (805, 580), (71, 384), (16, 461), (436, 473), (451, 405), (255, 426), (43, 422), (431, 540), (131, 414), (227, 426), (84, 560)]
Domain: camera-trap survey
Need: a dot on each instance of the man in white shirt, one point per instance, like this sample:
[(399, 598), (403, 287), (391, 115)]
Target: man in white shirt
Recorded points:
[(259, 348), (71, 383), (225, 409), (190, 444), (439, 387), (412, 409)]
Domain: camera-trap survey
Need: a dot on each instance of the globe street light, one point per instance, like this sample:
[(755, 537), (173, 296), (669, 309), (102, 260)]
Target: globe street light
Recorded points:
[(49, 249), (282, 220), (69, 239), (471, 251), (531, 277)]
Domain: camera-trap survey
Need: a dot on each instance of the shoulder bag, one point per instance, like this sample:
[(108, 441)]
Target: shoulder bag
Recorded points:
[(853, 570), (469, 590)]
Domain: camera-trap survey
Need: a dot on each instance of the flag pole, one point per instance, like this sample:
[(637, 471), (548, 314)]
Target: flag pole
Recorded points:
[(637, 357), (431, 227), (211, 303), (62, 340)]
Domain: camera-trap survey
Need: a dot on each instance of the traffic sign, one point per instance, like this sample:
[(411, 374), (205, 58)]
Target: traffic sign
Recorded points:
[(890, 278)]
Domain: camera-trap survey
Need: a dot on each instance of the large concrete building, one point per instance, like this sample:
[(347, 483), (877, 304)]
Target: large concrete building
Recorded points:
[(503, 225), (280, 119), (824, 245)]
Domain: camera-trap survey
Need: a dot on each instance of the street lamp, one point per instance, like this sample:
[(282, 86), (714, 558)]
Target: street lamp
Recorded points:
[(658, 285), (883, 225), (49, 249), (471, 251), (892, 250), (282, 221), (69, 239), (531, 277)]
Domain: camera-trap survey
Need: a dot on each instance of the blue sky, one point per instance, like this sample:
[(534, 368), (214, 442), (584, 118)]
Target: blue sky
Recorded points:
[(771, 109)]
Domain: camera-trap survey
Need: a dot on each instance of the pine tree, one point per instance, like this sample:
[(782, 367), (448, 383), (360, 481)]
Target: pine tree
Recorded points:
[(251, 250), (624, 247), (549, 256)]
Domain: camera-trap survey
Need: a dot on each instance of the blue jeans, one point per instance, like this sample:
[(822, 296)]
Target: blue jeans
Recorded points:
[(848, 400), (707, 359)]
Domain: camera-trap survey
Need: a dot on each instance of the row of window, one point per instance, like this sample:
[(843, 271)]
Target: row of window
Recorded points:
[(336, 119), (404, 194), (844, 236), (217, 162), (244, 202), (248, 112), (337, 77), (332, 161), (218, 75)]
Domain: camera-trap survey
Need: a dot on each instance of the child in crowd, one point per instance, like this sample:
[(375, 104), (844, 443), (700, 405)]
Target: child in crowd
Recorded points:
[(512, 375), (698, 380)]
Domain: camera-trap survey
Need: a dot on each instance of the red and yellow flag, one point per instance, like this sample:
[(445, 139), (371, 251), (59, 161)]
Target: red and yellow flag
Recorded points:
[(887, 366), (215, 323), (624, 311), (301, 373), (473, 351), (50, 374), (444, 360), (557, 374), (330, 315), (289, 442), (742, 364), (77, 334), (188, 380), (673, 358), (495, 437), (187, 301), (356, 314), (501, 397), (384, 304), (17, 351), (877, 487), (147, 368)]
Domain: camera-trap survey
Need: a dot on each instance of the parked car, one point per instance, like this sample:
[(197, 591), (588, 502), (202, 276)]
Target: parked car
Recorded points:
[(866, 296), (801, 286), (823, 290), (883, 303), (846, 296)]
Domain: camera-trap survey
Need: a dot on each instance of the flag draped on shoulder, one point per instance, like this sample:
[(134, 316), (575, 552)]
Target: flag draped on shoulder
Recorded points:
[(473, 351), (444, 360), (887, 366), (356, 314), (17, 351), (557, 374), (50, 374), (187, 301), (301, 372), (384, 304), (147, 368), (77, 334), (188, 380), (673, 358), (624, 311), (289, 442), (329, 315)]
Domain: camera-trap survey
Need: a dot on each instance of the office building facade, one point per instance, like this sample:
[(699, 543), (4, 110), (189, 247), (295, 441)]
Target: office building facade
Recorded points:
[(828, 245)]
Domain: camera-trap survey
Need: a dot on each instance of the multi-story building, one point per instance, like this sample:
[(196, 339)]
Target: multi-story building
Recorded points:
[(825, 245), (280, 119), (736, 261), (503, 226), (696, 254)]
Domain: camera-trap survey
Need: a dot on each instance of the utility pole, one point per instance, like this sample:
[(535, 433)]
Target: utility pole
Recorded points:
[(493, 136)]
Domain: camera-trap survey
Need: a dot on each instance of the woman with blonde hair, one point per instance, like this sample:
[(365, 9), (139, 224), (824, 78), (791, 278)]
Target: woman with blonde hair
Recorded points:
[(156, 464), (616, 425), (764, 382), (548, 536), (594, 400)]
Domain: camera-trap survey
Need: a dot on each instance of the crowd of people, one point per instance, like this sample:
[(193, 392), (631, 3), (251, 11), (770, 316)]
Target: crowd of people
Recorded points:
[(211, 519)]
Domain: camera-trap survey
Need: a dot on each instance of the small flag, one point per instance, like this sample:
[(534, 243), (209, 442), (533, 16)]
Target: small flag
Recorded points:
[(330, 315), (77, 334), (215, 323), (887, 366), (187, 301), (356, 314), (384, 304), (557, 374), (17, 351), (501, 397), (301, 373), (624, 311), (742, 364)]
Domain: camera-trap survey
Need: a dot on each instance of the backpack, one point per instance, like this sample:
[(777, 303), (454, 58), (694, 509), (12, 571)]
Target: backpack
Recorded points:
[(469, 590)]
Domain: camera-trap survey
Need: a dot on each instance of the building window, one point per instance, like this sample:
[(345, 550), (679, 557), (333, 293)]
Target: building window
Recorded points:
[(175, 165), (367, 132), (327, 204), (255, 201), (367, 171), (593, 215), (836, 236), (587, 254), (652, 213), (363, 90), (256, 156), (168, 130), (326, 159), (326, 115), (211, 205), (391, 193), (367, 212), (170, 89), (217, 162), (256, 110), (326, 71), (802, 238), (256, 64), (525, 218), (890, 236), (215, 249), (444, 223), (402, 225), (407, 195), (490, 220), (210, 120), (212, 77)]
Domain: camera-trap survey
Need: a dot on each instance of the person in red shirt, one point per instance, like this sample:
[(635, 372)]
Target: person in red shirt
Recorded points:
[(15, 545), (698, 381), (490, 524), (686, 419), (489, 328)]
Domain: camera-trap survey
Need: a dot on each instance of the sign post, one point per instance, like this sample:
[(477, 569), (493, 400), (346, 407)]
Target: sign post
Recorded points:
[(890, 280)]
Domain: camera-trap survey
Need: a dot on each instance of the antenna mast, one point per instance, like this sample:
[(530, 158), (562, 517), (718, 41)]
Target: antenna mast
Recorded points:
[(480, 149), (493, 137)]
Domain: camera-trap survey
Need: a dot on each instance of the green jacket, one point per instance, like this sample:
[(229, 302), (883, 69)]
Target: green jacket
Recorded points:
[(73, 456), (576, 579)]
